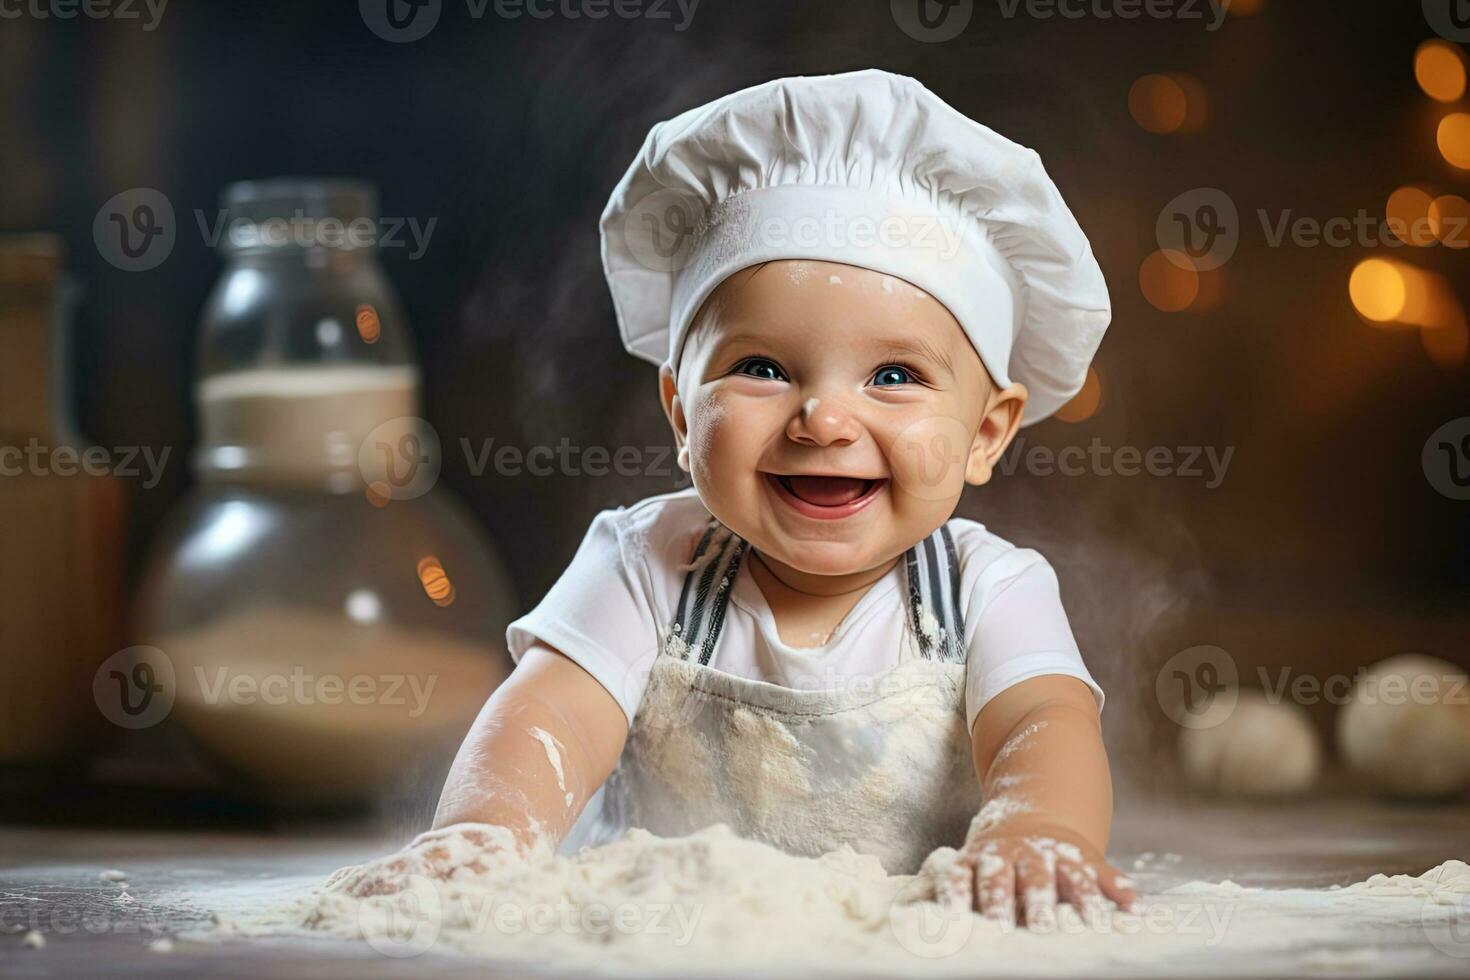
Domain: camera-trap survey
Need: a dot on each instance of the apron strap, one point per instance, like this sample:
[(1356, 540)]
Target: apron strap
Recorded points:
[(932, 576), (706, 593)]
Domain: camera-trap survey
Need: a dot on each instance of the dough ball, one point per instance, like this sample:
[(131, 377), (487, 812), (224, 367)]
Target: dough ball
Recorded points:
[(1406, 730), (1262, 749)]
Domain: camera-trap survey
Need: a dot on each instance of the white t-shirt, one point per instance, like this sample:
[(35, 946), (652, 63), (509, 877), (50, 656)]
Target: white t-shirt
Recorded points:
[(612, 606)]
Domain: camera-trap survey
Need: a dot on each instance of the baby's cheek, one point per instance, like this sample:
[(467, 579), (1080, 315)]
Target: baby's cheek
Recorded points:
[(928, 456), (707, 427)]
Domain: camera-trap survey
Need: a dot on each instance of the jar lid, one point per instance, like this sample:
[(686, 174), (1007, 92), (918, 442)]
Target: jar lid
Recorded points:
[(300, 212), (30, 259)]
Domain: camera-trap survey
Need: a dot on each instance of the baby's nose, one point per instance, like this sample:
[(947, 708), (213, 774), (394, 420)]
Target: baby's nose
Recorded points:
[(822, 422)]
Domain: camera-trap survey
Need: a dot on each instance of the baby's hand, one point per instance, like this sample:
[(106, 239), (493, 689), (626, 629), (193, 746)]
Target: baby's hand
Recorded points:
[(1040, 865), (462, 850)]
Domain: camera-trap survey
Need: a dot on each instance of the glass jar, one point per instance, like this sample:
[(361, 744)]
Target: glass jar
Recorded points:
[(332, 619)]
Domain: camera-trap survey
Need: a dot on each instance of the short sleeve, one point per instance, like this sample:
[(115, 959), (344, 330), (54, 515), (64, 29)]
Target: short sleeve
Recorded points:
[(600, 614), (1018, 630)]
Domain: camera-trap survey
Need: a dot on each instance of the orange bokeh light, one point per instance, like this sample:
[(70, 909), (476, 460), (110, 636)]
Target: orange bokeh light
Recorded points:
[(1408, 213), (1085, 403), (1168, 281), (1378, 290), (1454, 139), (369, 327), (1449, 219), (435, 581), (1169, 103), (1439, 68)]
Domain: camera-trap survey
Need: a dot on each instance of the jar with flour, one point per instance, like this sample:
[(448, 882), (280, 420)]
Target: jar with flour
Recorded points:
[(331, 618)]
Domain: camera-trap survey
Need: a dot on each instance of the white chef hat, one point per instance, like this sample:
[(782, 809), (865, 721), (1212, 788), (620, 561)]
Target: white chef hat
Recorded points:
[(868, 169)]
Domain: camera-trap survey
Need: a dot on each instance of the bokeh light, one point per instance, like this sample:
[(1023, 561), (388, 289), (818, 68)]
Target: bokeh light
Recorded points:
[(369, 327), (1449, 219), (1085, 403), (1378, 290), (435, 581), (1439, 67), (1168, 281), (379, 493), (1390, 291), (1454, 139), (1408, 213), (1169, 103)]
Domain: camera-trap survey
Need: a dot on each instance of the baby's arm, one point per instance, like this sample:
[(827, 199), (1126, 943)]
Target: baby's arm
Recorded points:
[(1039, 754), (542, 745)]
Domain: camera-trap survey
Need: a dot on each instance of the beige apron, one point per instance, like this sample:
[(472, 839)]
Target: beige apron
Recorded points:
[(882, 763)]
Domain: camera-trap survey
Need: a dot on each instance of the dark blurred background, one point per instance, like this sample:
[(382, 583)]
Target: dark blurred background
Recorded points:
[(1325, 542)]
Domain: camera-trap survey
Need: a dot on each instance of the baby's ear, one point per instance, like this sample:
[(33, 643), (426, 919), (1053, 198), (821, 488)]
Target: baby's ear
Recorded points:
[(998, 427), (668, 394)]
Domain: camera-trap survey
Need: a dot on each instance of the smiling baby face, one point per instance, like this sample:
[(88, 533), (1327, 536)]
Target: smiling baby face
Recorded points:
[(831, 415)]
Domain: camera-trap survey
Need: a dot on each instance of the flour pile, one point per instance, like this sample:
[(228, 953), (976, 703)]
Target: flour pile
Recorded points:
[(714, 903)]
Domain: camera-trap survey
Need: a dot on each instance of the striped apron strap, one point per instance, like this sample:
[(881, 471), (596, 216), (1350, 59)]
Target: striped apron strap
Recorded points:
[(932, 577), (706, 592)]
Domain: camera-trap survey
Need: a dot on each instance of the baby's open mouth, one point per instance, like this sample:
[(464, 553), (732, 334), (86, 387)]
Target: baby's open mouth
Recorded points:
[(825, 495)]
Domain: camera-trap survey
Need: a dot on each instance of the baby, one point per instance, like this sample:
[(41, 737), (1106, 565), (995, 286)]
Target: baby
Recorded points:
[(856, 296)]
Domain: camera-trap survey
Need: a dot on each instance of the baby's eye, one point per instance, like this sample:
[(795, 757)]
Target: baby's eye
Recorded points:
[(760, 367), (893, 374)]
